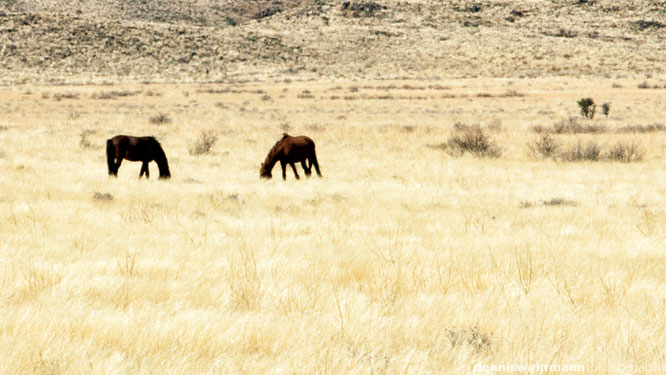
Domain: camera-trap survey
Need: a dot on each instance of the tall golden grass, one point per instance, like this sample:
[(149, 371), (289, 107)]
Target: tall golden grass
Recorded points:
[(402, 259)]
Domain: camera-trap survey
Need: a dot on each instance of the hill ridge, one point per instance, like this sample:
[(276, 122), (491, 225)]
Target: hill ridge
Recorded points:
[(334, 39)]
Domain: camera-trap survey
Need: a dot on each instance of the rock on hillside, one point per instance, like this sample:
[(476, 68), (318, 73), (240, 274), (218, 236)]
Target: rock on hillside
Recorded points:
[(203, 40)]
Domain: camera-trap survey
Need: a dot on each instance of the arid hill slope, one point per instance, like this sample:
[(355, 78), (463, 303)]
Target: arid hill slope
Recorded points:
[(53, 41)]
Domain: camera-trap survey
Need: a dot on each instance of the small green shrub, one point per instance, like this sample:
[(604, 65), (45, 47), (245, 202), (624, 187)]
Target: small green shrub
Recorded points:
[(587, 107), (230, 21)]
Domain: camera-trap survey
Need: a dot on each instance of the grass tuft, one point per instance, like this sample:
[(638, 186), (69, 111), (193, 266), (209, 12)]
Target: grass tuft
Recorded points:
[(471, 139), (160, 119), (204, 143)]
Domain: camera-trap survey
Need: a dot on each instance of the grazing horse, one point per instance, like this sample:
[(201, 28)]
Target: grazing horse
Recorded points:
[(143, 149), (290, 150)]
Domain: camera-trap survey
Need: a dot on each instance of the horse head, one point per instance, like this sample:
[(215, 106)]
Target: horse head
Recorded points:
[(264, 172)]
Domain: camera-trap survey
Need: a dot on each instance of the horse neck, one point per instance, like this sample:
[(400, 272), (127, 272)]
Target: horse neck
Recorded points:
[(161, 160), (273, 156)]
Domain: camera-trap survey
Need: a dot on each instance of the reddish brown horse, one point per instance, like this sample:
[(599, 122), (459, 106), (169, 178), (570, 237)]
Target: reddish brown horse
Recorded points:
[(290, 150), (143, 149)]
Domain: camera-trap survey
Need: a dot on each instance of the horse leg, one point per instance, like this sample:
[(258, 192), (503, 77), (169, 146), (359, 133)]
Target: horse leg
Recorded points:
[(117, 165), (293, 166), (284, 170), (144, 170), (307, 170), (313, 161), (147, 169)]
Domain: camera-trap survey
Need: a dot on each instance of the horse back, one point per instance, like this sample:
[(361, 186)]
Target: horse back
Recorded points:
[(301, 142)]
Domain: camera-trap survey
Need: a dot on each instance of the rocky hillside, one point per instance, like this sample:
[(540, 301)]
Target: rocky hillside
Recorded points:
[(56, 41)]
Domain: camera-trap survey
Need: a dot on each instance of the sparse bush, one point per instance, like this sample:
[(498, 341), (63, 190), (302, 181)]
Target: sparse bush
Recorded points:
[(305, 94), (102, 197), (644, 25), (526, 204), (512, 94), (644, 85), (570, 126), (204, 144), (267, 12), (564, 33), (578, 152), (574, 127), (605, 109), (265, 97), (160, 119), (105, 95), (544, 147), (474, 8), (587, 107), (625, 152), (558, 201), (642, 128), (472, 139), (361, 9), (85, 142), (66, 95)]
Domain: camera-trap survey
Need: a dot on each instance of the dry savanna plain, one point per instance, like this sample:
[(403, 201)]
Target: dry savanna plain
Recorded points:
[(406, 257)]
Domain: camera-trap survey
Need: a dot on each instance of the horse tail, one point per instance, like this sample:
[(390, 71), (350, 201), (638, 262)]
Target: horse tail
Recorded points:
[(313, 160), (110, 157), (161, 160)]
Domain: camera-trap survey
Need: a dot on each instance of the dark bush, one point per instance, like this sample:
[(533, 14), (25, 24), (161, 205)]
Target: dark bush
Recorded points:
[(644, 25), (587, 107)]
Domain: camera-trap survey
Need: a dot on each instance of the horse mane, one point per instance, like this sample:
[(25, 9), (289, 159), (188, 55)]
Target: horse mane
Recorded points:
[(275, 150)]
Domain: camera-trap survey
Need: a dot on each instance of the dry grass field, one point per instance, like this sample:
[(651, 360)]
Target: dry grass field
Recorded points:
[(403, 258)]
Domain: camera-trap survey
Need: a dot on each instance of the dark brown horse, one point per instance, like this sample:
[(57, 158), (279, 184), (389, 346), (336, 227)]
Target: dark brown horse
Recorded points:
[(290, 150), (143, 149)]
